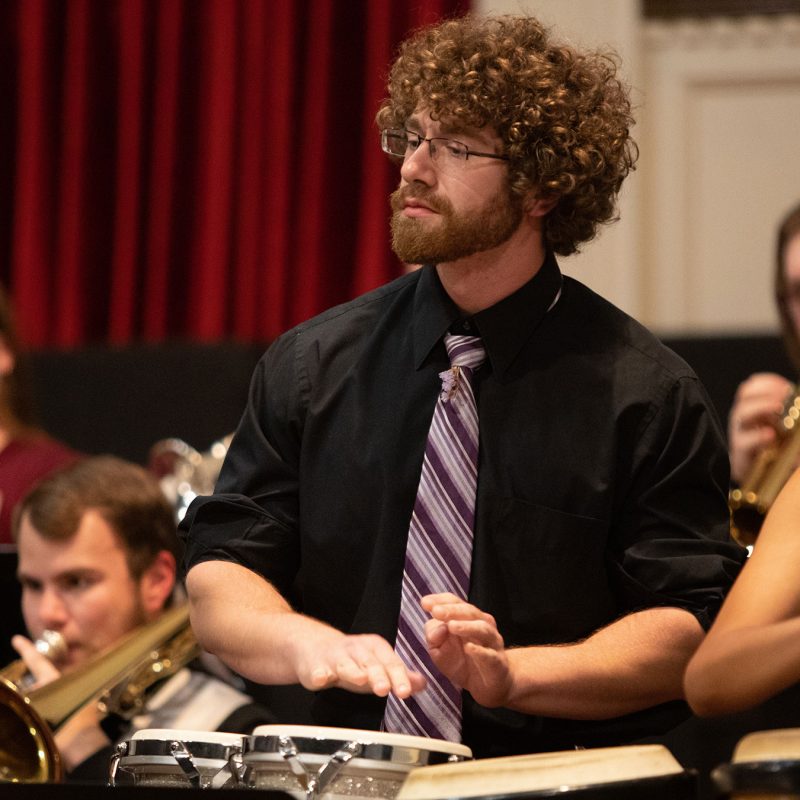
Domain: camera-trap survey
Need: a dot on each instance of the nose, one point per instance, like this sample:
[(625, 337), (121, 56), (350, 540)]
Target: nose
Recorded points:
[(52, 610), (418, 166)]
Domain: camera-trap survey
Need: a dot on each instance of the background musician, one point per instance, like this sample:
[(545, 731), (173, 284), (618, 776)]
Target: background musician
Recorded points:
[(596, 537), (27, 453), (759, 402), (97, 558)]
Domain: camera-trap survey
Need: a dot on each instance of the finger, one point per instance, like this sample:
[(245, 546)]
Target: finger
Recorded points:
[(462, 610), (756, 412), (22, 645), (386, 671), (350, 671), (476, 632), (442, 598), (402, 680), (39, 665), (754, 440), (321, 677), (418, 682), (764, 383), (435, 633)]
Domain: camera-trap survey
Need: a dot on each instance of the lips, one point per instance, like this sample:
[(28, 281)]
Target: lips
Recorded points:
[(414, 203), (410, 199)]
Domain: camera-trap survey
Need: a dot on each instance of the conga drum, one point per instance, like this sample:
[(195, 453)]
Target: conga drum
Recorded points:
[(333, 763), (636, 772), (166, 757), (765, 766)]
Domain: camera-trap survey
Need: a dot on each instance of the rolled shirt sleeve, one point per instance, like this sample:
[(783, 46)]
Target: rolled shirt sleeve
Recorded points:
[(251, 519), (671, 543)]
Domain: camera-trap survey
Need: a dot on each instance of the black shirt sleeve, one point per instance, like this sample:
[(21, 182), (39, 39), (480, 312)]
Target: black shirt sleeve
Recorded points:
[(252, 517), (670, 545)]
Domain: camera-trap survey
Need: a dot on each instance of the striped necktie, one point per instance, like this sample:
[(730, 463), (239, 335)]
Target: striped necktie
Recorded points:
[(439, 549)]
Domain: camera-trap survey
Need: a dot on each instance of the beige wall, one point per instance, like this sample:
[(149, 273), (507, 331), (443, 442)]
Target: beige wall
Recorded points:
[(718, 109)]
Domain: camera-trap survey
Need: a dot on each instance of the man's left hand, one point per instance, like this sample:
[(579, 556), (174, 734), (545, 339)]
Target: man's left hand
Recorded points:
[(467, 647)]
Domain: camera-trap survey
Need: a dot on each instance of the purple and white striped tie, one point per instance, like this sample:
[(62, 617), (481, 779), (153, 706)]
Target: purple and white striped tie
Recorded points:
[(439, 549)]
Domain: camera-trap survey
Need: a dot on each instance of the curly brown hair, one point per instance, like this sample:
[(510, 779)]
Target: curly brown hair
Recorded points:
[(564, 116)]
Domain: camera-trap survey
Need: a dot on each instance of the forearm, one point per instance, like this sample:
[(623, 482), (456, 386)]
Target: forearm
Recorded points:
[(243, 619), (753, 648), (634, 663), (737, 669)]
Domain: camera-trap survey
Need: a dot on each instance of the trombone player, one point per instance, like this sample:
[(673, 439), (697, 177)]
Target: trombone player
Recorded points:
[(97, 558)]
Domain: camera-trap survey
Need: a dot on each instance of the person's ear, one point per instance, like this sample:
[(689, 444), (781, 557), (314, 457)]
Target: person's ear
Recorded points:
[(7, 358), (157, 583), (536, 206)]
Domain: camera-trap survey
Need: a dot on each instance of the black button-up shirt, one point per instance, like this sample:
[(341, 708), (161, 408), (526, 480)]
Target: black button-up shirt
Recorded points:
[(602, 482)]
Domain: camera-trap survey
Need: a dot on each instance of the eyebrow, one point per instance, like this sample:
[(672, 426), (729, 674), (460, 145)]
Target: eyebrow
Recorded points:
[(78, 572), (447, 130)]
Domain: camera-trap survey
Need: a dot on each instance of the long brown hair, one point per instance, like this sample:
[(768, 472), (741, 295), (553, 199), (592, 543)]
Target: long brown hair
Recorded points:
[(16, 403), (789, 228)]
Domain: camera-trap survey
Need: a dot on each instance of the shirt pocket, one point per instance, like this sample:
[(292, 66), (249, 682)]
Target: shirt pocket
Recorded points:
[(543, 572)]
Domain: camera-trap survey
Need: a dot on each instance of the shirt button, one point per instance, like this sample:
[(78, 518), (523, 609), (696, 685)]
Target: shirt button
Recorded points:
[(467, 325)]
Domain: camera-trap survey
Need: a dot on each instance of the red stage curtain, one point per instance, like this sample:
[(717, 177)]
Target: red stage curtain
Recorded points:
[(201, 169)]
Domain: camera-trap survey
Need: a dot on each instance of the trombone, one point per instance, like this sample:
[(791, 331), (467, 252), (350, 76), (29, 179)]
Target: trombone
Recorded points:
[(118, 679)]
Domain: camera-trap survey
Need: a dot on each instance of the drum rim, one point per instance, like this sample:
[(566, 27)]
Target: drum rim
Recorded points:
[(363, 736), (214, 751), (781, 774), (186, 735), (257, 749)]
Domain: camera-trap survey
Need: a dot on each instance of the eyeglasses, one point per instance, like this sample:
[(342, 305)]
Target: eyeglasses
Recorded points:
[(402, 143)]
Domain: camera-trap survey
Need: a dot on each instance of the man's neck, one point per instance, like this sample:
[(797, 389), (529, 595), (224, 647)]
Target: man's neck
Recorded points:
[(483, 279)]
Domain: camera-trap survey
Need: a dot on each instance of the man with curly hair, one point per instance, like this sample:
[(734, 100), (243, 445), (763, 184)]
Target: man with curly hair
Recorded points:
[(600, 548)]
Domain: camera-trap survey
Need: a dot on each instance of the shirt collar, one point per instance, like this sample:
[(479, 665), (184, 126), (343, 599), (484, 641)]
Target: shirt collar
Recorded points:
[(504, 327)]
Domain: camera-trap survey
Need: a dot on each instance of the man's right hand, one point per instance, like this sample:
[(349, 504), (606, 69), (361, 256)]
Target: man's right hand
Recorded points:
[(364, 663), (754, 419)]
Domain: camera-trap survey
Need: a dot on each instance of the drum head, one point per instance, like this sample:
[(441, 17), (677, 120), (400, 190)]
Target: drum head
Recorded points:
[(645, 771), (763, 762)]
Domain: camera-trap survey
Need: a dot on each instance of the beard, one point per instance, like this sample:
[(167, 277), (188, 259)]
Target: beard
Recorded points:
[(455, 235)]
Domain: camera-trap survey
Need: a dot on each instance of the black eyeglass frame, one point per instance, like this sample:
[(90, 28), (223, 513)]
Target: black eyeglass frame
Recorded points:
[(386, 132)]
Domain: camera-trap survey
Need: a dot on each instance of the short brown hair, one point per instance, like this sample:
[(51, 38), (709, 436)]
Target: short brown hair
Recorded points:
[(563, 115), (128, 497)]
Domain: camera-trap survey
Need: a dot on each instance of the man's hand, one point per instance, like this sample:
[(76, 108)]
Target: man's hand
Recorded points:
[(81, 735), (754, 419), (40, 667), (467, 647), (364, 663)]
